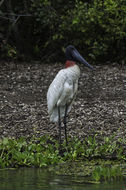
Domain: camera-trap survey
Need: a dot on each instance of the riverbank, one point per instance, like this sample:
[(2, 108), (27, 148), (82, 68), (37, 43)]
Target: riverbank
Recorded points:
[(99, 109)]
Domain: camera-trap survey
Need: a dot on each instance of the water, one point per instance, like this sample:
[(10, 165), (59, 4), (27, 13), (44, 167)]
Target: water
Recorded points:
[(39, 179)]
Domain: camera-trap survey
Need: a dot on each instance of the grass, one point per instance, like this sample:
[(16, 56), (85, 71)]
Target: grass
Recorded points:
[(44, 151)]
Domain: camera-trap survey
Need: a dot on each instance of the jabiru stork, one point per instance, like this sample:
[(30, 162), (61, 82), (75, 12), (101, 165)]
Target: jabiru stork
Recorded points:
[(63, 89)]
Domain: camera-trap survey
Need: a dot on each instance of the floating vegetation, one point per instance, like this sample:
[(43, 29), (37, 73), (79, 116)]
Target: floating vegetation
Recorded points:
[(89, 172), (107, 173), (44, 151)]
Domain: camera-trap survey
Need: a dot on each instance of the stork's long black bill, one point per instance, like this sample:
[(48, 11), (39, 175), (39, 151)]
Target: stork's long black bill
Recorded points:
[(80, 59)]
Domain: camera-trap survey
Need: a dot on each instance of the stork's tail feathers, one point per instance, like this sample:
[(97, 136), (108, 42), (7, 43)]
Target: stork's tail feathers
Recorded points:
[(54, 114)]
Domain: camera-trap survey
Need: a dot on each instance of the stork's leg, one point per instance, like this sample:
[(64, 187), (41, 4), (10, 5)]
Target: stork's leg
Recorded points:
[(65, 121), (59, 122)]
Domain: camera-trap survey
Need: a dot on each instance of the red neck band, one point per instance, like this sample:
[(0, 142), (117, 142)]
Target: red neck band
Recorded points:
[(69, 64)]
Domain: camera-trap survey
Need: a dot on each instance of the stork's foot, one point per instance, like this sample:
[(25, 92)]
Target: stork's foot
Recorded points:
[(61, 152)]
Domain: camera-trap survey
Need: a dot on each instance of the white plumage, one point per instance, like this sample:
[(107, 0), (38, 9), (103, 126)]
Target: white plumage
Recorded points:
[(62, 91)]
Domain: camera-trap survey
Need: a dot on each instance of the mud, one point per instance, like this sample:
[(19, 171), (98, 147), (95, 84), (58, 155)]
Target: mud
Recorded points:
[(100, 106)]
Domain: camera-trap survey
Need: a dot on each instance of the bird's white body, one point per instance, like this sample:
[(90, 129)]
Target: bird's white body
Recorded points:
[(62, 91)]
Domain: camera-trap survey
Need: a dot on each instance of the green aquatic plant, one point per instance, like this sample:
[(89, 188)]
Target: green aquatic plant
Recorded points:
[(20, 152), (91, 148), (106, 173), (44, 151)]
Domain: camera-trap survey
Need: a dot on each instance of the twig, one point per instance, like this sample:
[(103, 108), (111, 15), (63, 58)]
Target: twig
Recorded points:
[(7, 18), (14, 20), (12, 14)]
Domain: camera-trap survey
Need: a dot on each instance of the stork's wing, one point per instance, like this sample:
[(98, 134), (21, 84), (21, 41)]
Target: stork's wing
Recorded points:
[(61, 92), (55, 90)]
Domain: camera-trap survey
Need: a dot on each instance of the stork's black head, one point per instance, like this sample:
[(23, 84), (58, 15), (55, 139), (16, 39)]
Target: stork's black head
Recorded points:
[(69, 55), (73, 55)]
